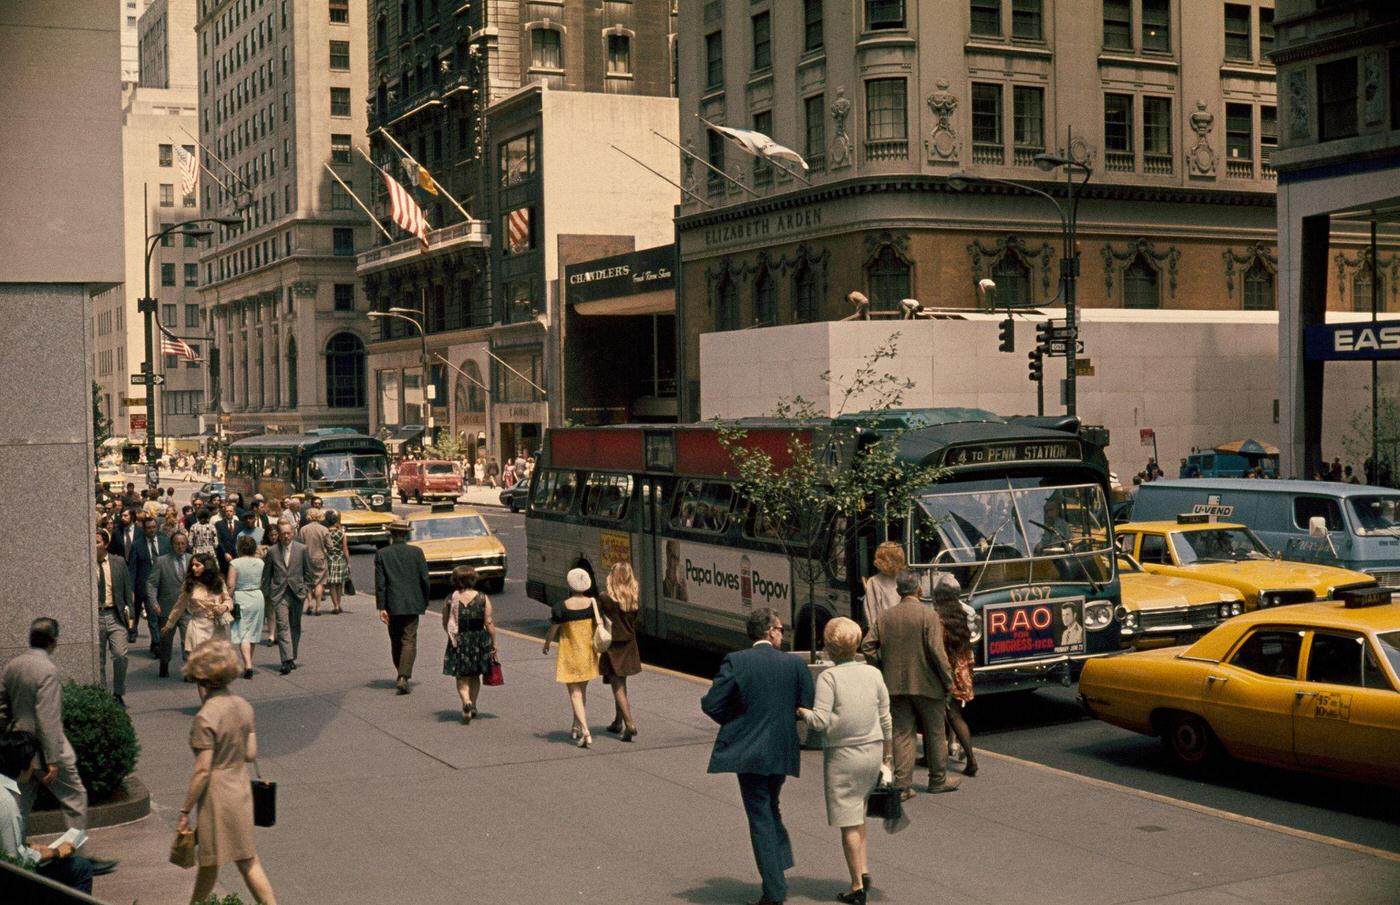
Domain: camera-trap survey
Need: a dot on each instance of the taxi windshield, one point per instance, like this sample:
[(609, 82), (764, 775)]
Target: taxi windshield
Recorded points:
[(1017, 522), (1376, 514), (328, 469), (344, 503), (1217, 545), (442, 528)]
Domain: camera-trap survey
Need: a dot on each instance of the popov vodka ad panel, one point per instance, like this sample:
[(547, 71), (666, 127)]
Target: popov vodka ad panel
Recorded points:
[(726, 579)]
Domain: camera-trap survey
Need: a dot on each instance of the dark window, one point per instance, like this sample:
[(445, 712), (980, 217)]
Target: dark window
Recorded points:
[(885, 110), (1306, 507), (1239, 131), (546, 49), (192, 277), (714, 59), (762, 41), (1013, 279), (340, 11), (1118, 123), (715, 153), (1270, 652), (1118, 24), (345, 371), (167, 310), (381, 35), (890, 280), (1029, 112), (805, 302), (619, 55), (167, 195), (340, 102), (1338, 660), (1266, 33), (884, 14), (1258, 288), (765, 301), (192, 312), (167, 278), (762, 169), (703, 506), (815, 147), (986, 17), (1026, 20), (340, 55), (517, 160), (554, 491), (986, 114), (340, 149), (1141, 287), (1156, 25), (168, 239), (167, 158), (1268, 134), (606, 496), (727, 317), (344, 296), (292, 372), (811, 24), (343, 241), (1336, 99), (1157, 126), (1237, 43), (1154, 550)]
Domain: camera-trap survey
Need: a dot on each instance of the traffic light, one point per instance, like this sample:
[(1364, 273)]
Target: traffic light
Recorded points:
[(1037, 370), (1006, 335), (1042, 335)]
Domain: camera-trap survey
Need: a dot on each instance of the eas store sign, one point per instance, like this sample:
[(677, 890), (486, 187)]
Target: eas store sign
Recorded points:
[(1356, 341)]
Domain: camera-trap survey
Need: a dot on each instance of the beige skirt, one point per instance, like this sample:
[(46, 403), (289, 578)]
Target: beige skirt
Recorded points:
[(851, 771)]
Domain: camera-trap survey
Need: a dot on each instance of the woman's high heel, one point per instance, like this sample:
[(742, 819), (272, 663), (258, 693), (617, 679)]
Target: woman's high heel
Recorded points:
[(852, 897), (629, 734), (575, 733), (615, 726), (971, 768), (586, 742)]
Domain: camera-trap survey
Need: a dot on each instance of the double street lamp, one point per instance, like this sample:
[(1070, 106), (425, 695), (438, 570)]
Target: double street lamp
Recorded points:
[(147, 306), (1069, 259)]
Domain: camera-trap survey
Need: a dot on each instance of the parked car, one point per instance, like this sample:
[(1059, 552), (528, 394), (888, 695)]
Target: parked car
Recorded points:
[(1314, 687), (208, 489), (1163, 610), (429, 479), (516, 498)]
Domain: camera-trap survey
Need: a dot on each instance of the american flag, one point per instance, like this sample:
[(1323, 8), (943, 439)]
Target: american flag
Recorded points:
[(405, 212), (518, 230), (189, 171), (170, 344)]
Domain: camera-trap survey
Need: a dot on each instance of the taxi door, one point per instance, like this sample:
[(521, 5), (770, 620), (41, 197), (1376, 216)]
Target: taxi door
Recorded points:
[(1347, 717), (1249, 698)]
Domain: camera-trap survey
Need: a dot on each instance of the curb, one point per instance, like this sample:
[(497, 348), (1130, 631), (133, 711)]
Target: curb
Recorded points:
[(132, 803)]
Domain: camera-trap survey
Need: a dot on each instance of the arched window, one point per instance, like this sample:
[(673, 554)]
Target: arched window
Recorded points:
[(1361, 287), (291, 372), (1140, 284), (889, 280), (1013, 279), (381, 33), (1258, 287), (727, 309), (765, 300), (345, 372), (805, 303)]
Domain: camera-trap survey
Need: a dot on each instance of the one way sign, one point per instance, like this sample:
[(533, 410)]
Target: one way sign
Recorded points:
[(1061, 347)]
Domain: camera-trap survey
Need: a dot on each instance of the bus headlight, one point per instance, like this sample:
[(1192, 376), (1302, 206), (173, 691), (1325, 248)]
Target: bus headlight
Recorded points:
[(976, 625), (377, 499), (1097, 614)]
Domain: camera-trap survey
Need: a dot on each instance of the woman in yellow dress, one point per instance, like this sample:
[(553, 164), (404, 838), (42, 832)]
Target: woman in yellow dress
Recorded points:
[(571, 622)]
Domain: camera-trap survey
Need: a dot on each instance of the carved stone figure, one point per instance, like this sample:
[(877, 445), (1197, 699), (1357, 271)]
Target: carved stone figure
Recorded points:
[(1298, 126), (1372, 88), (842, 148), (1200, 160), (942, 143)]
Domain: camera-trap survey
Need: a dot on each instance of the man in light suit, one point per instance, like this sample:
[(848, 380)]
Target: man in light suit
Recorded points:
[(906, 643), (286, 577), (114, 603), (401, 589), (163, 587), (149, 546), (754, 699)]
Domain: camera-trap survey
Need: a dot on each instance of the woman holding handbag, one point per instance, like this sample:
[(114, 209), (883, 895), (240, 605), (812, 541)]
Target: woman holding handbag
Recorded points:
[(206, 598), (622, 658), (852, 710), (471, 638), (224, 742), (573, 621)]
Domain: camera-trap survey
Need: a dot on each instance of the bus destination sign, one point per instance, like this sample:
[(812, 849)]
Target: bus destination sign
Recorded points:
[(1008, 453)]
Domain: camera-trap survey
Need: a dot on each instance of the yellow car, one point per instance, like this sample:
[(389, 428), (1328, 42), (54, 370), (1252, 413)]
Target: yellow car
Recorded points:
[(450, 537), (1161, 610), (1231, 555), (110, 479), (1314, 687), (362, 524)]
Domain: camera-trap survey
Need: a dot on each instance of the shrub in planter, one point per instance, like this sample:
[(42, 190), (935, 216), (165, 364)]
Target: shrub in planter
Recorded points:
[(102, 737)]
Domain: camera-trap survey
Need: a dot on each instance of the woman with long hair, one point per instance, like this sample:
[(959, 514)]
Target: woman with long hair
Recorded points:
[(957, 641), (622, 658), (206, 598), (471, 638), (571, 621)]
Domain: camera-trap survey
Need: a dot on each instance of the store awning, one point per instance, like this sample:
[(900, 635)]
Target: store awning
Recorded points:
[(113, 442), (661, 302), (404, 436)]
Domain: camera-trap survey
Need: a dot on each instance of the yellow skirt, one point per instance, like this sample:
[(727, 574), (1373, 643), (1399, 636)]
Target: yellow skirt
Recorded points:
[(577, 662)]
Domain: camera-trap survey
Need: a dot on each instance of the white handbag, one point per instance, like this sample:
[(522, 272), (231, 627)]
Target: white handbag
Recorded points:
[(602, 629)]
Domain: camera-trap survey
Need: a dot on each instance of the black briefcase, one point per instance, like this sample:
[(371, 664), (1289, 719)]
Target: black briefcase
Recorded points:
[(884, 803), (264, 800)]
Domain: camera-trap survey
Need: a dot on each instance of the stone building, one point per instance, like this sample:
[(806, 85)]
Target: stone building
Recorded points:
[(277, 82), (505, 102), (1171, 104)]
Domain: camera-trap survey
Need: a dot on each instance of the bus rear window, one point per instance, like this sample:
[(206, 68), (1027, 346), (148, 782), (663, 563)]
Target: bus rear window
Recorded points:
[(703, 506), (606, 495), (554, 491)]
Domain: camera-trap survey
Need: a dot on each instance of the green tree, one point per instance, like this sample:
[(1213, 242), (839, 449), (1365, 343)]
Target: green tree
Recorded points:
[(1356, 442), (101, 424), (848, 480), (447, 446)]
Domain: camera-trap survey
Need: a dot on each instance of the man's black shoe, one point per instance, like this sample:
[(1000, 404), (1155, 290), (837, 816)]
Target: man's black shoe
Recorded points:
[(286, 669), (101, 866), (131, 637), (165, 670), (120, 700), (401, 685)]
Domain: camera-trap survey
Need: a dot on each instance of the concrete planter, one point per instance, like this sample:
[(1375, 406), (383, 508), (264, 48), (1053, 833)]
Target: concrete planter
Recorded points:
[(132, 803)]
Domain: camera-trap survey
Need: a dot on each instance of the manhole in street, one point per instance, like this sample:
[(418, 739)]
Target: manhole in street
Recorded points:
[(1152, 828)]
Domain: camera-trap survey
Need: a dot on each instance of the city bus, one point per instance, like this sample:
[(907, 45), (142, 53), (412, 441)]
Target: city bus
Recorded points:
[(280, 465), (1020, 519)]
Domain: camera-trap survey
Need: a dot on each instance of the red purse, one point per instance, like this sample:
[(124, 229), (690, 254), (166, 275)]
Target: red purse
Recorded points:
[(493, 675)]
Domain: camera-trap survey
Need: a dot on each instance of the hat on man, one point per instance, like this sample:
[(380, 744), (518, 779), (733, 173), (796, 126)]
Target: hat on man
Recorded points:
[(579, 581), (399, 526)]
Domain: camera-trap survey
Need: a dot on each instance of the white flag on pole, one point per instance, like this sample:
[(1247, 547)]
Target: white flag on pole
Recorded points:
[(760, 145)]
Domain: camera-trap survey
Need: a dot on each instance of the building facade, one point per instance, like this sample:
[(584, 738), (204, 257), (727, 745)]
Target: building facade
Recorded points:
[(128, 19), (276, 87), (470, 91), (1339, 179), (1173, 111)]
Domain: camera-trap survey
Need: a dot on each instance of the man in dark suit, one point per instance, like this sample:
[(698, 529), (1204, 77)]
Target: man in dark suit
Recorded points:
[(124, 534), (149, 546), (906, 643), (287, 575), (163, 588), (228, 527), (114, 604), (401, 596), (754, 699)]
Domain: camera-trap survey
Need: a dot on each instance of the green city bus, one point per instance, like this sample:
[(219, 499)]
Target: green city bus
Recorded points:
[(281, 465)]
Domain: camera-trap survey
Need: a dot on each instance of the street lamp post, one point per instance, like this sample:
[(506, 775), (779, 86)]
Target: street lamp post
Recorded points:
[(407, 314), (146, 305)]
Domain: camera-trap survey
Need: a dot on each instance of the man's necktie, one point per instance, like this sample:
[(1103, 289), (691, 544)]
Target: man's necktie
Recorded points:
[(180, 568), (101, 587), (154, 554)]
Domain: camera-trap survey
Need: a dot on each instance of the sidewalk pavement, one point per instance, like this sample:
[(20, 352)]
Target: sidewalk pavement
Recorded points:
[(390, 799)]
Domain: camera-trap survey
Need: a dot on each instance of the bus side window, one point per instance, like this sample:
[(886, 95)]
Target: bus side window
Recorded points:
[(685, 505), (606, 496), (544, 488), (719, 499)]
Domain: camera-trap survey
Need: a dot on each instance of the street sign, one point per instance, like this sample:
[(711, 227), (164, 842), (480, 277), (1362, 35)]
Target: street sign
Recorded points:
[(1061, 347), (134, 401), (1083, 367), (1147, 436), (140, 379), (138, 423), (1062, 333)]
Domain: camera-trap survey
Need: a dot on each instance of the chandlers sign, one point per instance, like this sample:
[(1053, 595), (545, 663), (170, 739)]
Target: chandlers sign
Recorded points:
[(633, 273), (1023, 451), (724, 579), (1356, 341)]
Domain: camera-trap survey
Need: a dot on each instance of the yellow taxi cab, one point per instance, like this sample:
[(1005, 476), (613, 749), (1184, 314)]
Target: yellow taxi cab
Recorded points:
[(1162, 610), (450, 537), (1313, 687), (109, 478), (1196, 546), (362, 524)]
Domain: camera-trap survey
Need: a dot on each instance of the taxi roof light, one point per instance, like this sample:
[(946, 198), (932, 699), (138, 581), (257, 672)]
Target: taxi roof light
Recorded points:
[(1363, 598), (1194, 518)]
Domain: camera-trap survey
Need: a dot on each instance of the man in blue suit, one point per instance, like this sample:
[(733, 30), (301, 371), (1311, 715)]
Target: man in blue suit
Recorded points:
[(754, 699), (150, 545)]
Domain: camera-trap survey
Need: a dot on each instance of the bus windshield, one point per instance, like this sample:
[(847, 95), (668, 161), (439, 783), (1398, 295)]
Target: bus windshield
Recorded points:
[(1375, 514), (1018, 533), (330, 469)]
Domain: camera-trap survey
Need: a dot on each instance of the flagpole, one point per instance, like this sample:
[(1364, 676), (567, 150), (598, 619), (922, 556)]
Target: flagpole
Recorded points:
[(659, 176), (441, 187), (231, 171), (752, 154), (223, 185), (373, 219), (705, 162)]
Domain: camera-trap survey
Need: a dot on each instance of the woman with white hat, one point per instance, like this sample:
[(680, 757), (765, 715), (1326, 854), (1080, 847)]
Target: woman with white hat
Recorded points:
[(572, 621)]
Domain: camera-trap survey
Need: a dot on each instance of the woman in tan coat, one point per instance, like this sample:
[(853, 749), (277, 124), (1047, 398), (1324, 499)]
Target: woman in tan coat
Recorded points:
[(224, 742)]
